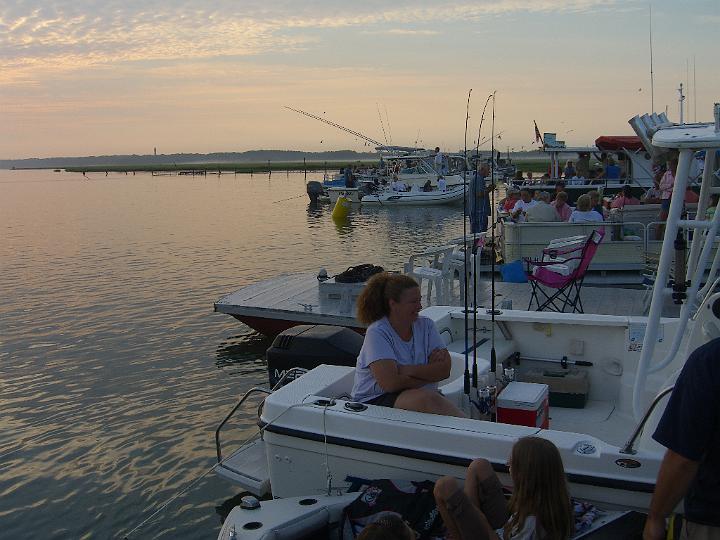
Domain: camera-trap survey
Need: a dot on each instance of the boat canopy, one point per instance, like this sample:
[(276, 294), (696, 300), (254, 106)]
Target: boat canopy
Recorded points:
[(619, 142)]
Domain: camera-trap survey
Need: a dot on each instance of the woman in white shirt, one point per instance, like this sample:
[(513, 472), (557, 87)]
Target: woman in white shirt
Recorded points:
[(403, 356), (583, 211), (539, 508)]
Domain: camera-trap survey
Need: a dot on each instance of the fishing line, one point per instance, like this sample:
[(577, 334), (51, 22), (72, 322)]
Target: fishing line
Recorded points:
[(382, 126)]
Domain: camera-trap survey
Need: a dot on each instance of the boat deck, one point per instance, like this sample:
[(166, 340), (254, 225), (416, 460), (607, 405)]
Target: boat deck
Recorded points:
[(297, 298)]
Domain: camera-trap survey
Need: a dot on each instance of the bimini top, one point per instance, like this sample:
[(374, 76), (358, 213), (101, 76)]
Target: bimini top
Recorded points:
[(619, 142)]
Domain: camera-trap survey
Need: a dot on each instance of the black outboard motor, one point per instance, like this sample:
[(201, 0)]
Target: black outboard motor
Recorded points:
[(314, 190), (309, 345)]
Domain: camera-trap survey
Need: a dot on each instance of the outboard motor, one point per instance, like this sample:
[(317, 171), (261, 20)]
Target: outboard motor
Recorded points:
[(309, 345), (314, 190)]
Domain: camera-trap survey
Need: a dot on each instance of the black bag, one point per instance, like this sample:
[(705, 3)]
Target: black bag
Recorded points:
[(413, 501), (358, 274)]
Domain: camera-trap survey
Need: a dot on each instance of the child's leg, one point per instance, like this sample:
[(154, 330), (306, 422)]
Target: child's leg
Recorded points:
[(484, 490), (463, 520)]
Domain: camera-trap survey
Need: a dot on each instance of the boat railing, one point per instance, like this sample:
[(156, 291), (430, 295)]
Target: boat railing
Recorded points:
[(629, 446), (289, 375)]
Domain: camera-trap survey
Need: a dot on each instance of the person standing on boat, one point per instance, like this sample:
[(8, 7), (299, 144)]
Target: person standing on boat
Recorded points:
[(690, 430), (479, 206), (439, 157), (539, 508), (403, 356), (583, 165)]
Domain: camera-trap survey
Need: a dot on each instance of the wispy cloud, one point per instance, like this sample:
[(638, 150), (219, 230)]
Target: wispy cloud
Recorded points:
[(70, 35)]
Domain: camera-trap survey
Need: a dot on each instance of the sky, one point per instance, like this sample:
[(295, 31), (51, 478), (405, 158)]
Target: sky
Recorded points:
[(84, 78)]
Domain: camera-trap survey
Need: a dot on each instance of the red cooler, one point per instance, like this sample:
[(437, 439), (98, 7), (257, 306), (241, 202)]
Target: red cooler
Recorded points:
[(524, 404)]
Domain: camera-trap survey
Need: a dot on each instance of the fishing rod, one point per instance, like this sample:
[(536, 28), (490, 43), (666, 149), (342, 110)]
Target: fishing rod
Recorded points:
[(336, 125), (476, 208), (493, 354), (466, 375)]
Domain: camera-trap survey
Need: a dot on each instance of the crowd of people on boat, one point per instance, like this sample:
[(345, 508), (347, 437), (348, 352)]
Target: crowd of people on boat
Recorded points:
[(402, 360)]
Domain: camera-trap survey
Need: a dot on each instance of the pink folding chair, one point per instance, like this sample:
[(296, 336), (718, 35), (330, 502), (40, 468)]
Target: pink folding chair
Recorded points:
[(556, 283)]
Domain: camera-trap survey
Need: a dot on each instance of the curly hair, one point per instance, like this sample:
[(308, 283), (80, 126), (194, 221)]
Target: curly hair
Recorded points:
[(374, 301)]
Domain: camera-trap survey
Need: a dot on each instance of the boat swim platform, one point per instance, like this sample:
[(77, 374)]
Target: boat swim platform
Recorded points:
[(273, 305)]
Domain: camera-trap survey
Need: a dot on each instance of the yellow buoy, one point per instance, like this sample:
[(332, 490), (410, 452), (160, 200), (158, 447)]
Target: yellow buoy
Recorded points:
[(342, 207)]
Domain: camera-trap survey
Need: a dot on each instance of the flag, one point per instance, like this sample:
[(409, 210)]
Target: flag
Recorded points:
[(538, 137)]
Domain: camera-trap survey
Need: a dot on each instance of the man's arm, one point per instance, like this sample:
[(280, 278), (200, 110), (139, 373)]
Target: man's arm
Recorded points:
[(676, 474)]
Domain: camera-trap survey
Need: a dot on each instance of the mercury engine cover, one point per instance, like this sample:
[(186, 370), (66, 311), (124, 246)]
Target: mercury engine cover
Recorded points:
[(309, 345)]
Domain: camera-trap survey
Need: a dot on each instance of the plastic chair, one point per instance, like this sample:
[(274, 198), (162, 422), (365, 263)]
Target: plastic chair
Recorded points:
[(434, 266), (556, 282)]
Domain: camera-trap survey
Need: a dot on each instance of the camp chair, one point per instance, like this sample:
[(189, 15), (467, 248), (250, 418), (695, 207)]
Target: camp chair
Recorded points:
[(562, 270)]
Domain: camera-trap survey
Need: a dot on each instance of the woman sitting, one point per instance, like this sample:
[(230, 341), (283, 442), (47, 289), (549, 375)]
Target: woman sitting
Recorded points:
[(624, 198), (403, 356), (583, 211), (539, 508)]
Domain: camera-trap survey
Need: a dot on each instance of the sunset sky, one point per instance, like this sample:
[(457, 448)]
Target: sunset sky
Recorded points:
[(87, 78)]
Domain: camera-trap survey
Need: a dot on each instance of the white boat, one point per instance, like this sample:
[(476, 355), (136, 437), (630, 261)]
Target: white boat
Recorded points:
[(321, 517), (314, 437), (415, 197)]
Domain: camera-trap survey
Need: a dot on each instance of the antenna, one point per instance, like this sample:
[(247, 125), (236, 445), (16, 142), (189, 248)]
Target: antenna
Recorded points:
[(652, 77), (694, 91), (338, 126), (681, 99)]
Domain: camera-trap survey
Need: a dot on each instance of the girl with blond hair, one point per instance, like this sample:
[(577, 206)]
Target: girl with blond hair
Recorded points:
[(539, 508)]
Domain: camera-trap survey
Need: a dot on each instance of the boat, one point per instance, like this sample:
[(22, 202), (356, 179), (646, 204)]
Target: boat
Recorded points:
[(435, 197), (628, 151), (321, 517), (617, 372), (276, 304)]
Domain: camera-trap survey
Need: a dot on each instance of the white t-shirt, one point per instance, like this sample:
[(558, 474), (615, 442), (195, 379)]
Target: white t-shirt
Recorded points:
[(438, 160), (442, 184), (528, 532), (383, 343), (581, 217), (522, 205)]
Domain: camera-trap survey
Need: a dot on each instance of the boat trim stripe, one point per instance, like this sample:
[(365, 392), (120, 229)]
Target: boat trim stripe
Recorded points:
[(585, 479)]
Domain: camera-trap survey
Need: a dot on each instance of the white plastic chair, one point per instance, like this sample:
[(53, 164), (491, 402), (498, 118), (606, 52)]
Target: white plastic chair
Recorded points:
[(433, 265)]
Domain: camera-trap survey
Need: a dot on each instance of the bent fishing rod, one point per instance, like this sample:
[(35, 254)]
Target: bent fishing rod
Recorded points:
[(338, 126)]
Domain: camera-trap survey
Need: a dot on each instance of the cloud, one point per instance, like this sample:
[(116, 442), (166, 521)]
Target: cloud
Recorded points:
[(71, 35), (407, 32)]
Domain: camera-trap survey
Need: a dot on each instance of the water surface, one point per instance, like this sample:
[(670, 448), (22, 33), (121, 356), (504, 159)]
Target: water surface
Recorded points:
[(114, 370)]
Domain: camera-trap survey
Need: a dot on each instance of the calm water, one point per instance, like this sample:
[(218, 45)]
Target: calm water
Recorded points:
[(114, 370)]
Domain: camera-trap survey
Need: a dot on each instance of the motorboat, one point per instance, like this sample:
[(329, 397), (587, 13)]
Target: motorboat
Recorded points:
[(615, 375), (322, 517), (415, 197)]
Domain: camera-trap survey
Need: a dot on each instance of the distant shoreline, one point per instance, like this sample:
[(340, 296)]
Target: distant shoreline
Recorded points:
[(525, 165)]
